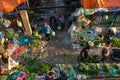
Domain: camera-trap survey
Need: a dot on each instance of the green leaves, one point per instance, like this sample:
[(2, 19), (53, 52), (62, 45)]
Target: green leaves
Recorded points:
[(90, 59), (43, 68), (83, 68), (115, 66), (93, 70), (105, 67), (115, 42), (35, 43), (9, 35), (88, 69), (33, 66)]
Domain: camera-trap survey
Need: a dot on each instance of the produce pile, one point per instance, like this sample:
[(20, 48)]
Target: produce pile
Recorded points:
[(84, 40), (115, 42), (88, 69), (91, 59), (92, 69), (31, 67)]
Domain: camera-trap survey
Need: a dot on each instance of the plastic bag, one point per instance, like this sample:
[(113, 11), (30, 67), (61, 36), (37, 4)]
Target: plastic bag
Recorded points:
[(52, 33), (112, 72), (59, 27)]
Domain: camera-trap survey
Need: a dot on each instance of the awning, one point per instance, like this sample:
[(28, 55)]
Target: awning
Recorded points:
[(100, 3), (9, 5)]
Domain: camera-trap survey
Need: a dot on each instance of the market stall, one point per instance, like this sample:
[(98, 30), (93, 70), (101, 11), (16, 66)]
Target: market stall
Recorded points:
[(94, 23)]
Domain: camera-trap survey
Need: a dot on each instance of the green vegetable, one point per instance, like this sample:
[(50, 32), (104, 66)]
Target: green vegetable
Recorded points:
[(118, 71), (97, 42), (90, 59), (93, 70), (83, 68), (105, 67), (115, 42), (9, 35), (83, 43), (43, 68), (35, 43), (82, 38), (3, 77), (115, 66), (98, 66)]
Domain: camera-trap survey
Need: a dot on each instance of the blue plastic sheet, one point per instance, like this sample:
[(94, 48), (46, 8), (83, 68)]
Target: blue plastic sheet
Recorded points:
[(1, 36), (24, 40), (21, 6)]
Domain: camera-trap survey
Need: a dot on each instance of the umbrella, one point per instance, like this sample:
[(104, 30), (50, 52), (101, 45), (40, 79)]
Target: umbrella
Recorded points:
[(9, 5)]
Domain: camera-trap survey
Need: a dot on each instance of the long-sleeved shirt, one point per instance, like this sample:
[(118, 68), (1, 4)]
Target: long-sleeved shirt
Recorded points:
[(46, 30)]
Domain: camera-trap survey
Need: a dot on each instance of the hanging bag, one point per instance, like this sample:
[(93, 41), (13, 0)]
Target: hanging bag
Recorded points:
[(51, 32)]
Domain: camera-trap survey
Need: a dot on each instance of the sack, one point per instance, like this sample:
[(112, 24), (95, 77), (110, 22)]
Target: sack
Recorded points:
[(52, 33)]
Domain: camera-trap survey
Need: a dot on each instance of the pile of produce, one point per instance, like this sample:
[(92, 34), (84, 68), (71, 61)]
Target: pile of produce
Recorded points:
[(90, 59), (115, 42), (31, 67), (89, 69), (105, 67), (93, 69), (83, 68), (9, 35)]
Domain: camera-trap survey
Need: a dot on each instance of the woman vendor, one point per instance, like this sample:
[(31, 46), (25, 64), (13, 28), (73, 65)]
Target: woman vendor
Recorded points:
[(84, 53), (106, 51)]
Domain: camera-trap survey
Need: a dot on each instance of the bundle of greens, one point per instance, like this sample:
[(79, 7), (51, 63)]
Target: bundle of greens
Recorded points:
[(93, 69), (105, 67), (83, 68), (115, 66), (115, 42), (35, 43)]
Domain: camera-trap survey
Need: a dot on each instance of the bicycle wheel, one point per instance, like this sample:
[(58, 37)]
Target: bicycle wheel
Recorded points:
[(115, 56)]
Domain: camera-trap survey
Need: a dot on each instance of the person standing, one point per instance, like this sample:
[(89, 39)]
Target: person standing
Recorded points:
[(106, 51), (53, 21), (84, 53), (46, 30), (61, 21)]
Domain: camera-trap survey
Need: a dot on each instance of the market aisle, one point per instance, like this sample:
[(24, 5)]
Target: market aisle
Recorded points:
[(59, 50)]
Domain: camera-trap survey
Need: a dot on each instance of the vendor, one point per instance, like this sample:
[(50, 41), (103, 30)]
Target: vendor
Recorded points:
[(108, 35), (106, 51), (84, 53), (46, 30)]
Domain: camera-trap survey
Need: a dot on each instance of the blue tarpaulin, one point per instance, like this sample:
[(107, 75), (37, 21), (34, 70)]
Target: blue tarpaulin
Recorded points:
[(21, 6), (24, 40)]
